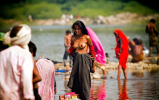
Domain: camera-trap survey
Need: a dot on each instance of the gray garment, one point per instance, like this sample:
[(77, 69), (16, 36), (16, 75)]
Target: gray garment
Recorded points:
[(80, 79), (66, 54)]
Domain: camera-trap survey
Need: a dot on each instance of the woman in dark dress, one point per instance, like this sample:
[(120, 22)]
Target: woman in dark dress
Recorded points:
[(80, 80)]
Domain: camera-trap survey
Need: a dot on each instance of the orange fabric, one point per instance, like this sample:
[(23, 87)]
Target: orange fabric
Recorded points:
[(71, 50), (124, 54)]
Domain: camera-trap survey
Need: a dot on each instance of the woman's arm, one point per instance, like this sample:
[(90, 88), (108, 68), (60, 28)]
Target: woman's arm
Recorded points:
[(71, 49), (120, 42), (36, 74), (92, 53)]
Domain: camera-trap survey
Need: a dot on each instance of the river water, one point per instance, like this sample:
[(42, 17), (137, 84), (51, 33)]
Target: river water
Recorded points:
[(50, 39), (141, 84)]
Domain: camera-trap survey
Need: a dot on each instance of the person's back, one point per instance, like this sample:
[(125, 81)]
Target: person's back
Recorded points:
[(153, 36), (47, 72), (151, 27), (16, 66), (136, 51)]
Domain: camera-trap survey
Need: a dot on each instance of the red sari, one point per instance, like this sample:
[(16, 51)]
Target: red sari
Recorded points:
[(124, 54)]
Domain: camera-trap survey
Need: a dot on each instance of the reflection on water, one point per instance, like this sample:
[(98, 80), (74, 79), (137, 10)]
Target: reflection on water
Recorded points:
[(123, 90), (141, 85), (98, 91)]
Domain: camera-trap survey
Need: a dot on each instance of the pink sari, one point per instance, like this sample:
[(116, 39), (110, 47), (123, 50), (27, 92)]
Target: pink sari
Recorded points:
[(101, 58), (47, 72)]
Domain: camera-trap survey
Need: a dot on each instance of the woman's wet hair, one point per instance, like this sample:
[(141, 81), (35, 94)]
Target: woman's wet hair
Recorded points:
[(15, 30), (32, 48), (81, 25)]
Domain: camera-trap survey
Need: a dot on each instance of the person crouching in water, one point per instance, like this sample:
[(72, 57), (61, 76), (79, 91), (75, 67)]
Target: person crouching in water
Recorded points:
[(121, 51), (136, 50)]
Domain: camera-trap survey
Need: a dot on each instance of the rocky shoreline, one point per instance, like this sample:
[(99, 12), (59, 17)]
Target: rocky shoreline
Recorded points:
[(118, 19)]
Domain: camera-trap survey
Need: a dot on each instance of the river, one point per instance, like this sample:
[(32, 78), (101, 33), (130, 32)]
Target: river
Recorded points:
[(141, 84)]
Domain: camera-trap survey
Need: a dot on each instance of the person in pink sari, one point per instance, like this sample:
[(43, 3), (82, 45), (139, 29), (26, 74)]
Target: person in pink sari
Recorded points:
[(47, 86), (47, 72), (100, 53)]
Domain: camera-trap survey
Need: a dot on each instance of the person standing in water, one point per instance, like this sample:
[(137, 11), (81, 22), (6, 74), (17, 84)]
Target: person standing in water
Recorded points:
[(153, 36), (67, 44), (121, 51), (80, 79)]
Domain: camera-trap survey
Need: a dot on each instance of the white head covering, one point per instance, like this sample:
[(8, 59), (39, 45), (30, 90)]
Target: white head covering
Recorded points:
[(22, 38)]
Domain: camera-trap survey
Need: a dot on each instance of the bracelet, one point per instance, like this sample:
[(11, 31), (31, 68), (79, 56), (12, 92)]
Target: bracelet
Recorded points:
[(118, 53)]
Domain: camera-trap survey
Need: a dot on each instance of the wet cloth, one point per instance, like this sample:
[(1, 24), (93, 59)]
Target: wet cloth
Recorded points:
[(16, 74), (124, 54), (47, 72), (153, 40), (66, 54), (80, 79), (100, 58)]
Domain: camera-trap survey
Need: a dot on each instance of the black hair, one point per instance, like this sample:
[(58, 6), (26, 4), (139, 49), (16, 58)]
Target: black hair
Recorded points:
[(2, 46), (153, 20), (81, 25), (106, 54), (68, 31), (139, 42), (135, 39), (32, 48), (15, 30)]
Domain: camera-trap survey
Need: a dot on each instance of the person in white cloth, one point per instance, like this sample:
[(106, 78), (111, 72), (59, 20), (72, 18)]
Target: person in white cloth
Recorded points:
[(16, 65)]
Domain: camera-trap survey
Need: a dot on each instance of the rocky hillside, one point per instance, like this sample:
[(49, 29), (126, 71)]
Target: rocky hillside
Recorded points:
[(118, 19)]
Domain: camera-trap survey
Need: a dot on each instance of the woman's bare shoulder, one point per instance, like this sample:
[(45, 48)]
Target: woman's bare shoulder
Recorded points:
[(86, 36)]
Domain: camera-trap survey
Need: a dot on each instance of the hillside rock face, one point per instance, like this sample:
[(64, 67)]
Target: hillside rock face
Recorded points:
[(122, 18)]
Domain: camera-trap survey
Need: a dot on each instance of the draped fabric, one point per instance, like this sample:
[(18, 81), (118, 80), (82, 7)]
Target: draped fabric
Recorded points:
[(80, 79), (47, 72), (124, 54), (22, 38), (101, 58)]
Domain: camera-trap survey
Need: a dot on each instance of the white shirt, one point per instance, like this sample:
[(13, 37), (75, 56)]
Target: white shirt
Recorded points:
[(16, 72)]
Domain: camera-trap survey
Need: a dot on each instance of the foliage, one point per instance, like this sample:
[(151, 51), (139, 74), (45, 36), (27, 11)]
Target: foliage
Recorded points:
[(53, 9)]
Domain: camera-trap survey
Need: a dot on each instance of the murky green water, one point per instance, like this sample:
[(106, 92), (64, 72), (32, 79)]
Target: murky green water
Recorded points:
[(141, 85)]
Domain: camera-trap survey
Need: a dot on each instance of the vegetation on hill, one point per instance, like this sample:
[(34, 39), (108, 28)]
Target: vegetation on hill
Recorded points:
[(53, 9)]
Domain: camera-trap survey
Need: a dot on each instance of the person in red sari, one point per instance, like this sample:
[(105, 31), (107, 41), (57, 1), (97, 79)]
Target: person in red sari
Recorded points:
[(121, 51)]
